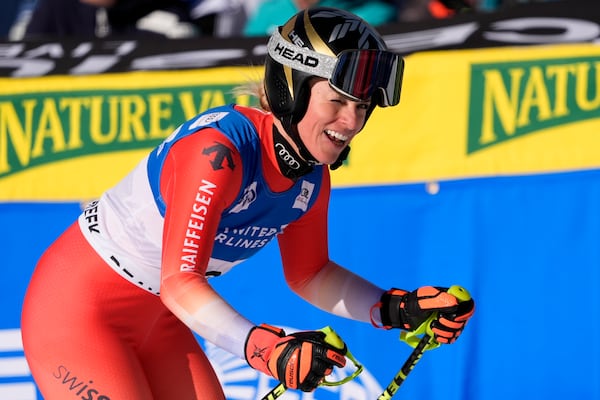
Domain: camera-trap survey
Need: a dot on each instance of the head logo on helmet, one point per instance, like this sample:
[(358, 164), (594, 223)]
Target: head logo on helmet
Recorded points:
[(292, 54)]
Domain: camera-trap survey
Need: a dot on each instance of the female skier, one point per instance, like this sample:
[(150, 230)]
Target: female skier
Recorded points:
[(112, 301)]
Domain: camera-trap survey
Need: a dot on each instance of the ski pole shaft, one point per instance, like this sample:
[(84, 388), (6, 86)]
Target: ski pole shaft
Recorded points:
[(408, 366), (275, 392)]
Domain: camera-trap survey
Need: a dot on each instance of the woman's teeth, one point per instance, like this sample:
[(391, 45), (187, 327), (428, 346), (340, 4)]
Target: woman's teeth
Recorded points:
[(336, 136)]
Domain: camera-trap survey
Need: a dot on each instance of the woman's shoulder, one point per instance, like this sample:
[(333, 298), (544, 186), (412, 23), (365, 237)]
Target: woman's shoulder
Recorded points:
[(253, 112), (259, 117)]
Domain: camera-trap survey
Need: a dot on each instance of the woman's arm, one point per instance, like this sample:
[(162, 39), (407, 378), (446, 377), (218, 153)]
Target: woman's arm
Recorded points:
[(313, 276), (196, 190)]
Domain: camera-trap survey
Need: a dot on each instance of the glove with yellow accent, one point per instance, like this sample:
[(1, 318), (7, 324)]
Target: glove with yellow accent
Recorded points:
[(409, 310), (300, 360)]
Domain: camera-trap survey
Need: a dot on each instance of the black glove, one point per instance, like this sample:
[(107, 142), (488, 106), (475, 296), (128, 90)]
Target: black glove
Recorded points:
[(409, 310), (300, 360)]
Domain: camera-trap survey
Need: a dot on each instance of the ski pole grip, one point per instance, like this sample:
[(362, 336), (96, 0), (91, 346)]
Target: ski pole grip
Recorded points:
[(460, 293), (413, 338), (333, 339)]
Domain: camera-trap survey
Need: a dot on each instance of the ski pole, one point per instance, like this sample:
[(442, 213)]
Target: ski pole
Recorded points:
[(427, 342), (408, 366), (333, 339)]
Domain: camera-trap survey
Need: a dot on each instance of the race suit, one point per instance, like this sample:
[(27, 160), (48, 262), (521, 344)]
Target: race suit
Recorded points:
[(108, 312)]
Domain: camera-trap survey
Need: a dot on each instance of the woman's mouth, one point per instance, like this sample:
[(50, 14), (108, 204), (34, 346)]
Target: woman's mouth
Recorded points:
[(336, 137)]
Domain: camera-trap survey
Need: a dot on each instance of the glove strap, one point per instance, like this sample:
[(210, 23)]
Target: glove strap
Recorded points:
[(392, 302), (259, 344), (376, 307)]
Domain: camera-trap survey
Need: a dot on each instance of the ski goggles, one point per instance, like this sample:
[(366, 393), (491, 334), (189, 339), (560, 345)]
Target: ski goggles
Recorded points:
[(358, 74)]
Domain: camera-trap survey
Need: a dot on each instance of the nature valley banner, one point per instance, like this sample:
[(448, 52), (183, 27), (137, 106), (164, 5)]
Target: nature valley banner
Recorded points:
[(463, 114), (70, 138)]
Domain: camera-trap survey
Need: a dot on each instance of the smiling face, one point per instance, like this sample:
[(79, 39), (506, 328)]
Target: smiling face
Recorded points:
[(331, 121)]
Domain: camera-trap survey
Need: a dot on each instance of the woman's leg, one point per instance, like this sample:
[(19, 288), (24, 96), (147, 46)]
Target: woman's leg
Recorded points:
[(89, 332), (68, 328), (175, 364)]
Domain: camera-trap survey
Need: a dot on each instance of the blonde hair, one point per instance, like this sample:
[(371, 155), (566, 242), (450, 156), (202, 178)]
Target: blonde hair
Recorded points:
[(254, 88)]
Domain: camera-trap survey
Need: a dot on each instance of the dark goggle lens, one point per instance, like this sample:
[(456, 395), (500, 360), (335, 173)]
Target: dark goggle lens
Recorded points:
[(361, 73)]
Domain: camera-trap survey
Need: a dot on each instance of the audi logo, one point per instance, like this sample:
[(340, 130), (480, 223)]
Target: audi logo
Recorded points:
[(287, 157)]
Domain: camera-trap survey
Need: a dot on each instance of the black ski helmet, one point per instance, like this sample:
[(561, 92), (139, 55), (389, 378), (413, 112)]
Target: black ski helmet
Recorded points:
[(324, 37)]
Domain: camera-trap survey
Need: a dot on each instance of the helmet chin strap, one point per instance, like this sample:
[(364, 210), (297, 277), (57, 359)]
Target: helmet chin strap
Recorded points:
[(343, 155), (290, 163), (292, 130)]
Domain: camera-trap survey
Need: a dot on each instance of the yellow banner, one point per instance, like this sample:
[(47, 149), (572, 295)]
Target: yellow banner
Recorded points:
[(467, 113), (71, 138)]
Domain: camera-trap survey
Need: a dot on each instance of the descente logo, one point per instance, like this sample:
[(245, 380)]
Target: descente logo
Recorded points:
[(509, 100)]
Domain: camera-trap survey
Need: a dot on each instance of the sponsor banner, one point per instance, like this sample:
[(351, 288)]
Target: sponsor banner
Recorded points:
[(526, 24), (70, 138), (463, 114), (478, 113)]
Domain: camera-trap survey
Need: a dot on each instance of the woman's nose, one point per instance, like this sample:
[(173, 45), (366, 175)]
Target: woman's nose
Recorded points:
[(353, 117)]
